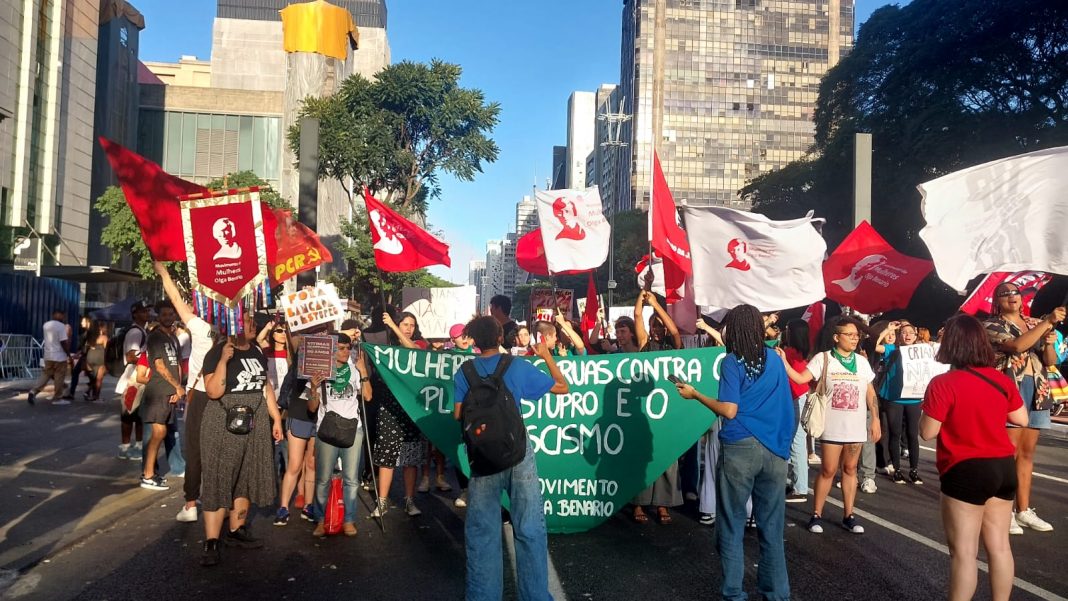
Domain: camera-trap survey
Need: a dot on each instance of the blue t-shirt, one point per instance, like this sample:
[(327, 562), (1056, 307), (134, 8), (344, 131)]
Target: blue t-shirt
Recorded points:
[(766, 408), (523, 379), (893, 381)]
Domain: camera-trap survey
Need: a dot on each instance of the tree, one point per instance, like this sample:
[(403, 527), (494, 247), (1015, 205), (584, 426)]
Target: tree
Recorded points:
[(122, 235)]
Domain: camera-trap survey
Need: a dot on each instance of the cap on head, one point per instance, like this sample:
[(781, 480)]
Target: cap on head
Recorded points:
[(456, 330)]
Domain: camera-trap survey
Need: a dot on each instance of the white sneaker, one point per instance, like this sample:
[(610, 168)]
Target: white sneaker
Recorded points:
[(424, 484), (381, 507), (1014, 526), (461, 501), (1031, 520), (869, 486), (886, 471), (187, 514), (814, 459), (410, 508), (135, 454), (61, 402)]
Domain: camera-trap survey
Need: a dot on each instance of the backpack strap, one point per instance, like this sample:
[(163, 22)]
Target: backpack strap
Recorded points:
[(502, 366), (474, 378), (988, 381)]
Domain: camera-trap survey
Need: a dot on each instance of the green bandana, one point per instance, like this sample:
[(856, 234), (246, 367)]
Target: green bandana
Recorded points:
[(850, 364), (344, 374)]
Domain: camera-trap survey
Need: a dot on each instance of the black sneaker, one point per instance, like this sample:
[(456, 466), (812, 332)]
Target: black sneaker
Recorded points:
[(31, 397), (281, 517), (242, 538), (850, 523), (154, 483), (211, 556), (914, 477), (815, 524), (899, 478)]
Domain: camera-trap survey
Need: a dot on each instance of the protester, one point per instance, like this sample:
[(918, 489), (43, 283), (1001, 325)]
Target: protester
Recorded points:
[(399, 444), (898, 410), (568, 340), (1024, 346), (96, 343), (461, 342), (756, 402), (662, 335), (482, 530), (238, 469), (500, 308), (845, 430), (77, 361), (55, 348), (521, 346), (967, 409), (796, 348), (274, 341), (163, 390), (342, 396), (133, 344), (202, 338), (923, 335)]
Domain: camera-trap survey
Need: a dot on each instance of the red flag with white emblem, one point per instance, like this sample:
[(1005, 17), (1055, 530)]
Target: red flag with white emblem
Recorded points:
[(399, 244)]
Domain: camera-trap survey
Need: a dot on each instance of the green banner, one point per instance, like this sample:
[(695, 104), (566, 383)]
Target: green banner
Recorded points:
[(620, 426)]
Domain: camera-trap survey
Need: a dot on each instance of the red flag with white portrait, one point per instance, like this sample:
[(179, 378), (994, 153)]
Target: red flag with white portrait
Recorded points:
[(225, 246), (869, 275)]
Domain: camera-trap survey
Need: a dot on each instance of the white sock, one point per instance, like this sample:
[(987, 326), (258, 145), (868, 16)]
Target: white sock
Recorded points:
[(124, 447), (137, 445)]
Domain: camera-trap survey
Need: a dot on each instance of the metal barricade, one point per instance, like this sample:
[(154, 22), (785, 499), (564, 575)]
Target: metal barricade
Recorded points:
[(20, 357)]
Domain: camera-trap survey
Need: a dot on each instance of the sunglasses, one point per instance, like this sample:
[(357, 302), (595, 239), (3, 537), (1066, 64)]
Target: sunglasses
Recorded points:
[(1008, 293), (279, 331)]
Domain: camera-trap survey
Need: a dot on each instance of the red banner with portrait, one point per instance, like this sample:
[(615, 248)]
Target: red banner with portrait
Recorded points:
[(225, 246)]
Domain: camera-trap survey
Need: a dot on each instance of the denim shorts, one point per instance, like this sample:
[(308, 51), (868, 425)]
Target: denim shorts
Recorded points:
[(301, 428), (1039, 420)]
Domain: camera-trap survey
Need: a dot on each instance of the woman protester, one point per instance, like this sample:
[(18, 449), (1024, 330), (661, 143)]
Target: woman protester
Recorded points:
[(399, 443), (340, 396), (795, 345), (966, 409), (897, 409), (850, 398), (521, 345), (1024, 346), (757, 405), (662, 335), (238, 467), (300, 422), (95, 365)]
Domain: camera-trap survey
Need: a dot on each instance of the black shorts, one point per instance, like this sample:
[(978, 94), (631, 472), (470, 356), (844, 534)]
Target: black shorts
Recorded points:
[(158, 410), (975, 481)]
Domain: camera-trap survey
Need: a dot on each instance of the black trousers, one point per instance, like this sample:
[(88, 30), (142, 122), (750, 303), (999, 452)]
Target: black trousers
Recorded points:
[(196, 401), (896, 413)]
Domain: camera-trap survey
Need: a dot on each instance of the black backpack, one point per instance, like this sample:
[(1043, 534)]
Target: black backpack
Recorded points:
[(493, 430), (114, 356)]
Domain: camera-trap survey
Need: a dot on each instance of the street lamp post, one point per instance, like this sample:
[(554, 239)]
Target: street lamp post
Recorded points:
[(615, 123)]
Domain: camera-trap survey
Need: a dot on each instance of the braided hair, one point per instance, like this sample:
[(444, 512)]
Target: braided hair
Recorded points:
[(744, 327)]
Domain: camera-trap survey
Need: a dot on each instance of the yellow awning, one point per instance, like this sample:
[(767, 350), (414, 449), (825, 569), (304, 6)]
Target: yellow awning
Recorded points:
[(318, 27)]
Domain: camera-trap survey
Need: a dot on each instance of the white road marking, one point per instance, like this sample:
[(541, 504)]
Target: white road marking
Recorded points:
[(937, 546), (555, 588), (14, 472), (1035, 474)]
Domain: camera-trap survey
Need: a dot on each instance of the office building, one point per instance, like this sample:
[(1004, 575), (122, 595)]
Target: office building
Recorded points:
[(526, 216), (581, 119), (603, 164), (476, 273), (558, 181), (740, 83)]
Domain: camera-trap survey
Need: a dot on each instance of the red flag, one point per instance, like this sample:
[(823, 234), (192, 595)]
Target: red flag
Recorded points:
[(814, 316), (152, 194), (530, 255), (399, 244), (981, 299), (667, 237), (299, 248), (589, 316), (867, 274)]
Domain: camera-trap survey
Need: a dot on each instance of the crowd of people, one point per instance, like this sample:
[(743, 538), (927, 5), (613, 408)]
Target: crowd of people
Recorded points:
[(254, 432)]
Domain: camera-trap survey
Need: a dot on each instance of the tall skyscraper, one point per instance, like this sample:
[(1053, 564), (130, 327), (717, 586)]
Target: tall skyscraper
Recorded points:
[(740, 83), (526, 216), (581, 119), (604, 165), (476, 274), (559, 178)]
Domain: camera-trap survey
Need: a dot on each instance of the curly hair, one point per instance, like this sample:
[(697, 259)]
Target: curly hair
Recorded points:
[(744, 327)]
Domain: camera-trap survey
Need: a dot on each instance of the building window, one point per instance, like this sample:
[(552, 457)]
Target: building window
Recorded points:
[(124, 36)]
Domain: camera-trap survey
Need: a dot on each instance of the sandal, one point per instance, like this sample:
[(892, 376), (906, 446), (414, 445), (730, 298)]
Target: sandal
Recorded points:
[(663, 516), (640, 516)]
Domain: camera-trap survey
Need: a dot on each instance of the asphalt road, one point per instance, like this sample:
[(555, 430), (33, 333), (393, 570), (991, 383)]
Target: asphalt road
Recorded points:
[(75, 526)]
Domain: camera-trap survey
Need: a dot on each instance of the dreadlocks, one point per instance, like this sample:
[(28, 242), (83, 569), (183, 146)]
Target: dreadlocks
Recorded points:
[(744, 329)]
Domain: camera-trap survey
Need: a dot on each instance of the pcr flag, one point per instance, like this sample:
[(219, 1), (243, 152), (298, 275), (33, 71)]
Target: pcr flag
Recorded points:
[(574, 232), (742, 257), (1005, 215), (299, 248), (867, 274), (981, 299), (399, 244)]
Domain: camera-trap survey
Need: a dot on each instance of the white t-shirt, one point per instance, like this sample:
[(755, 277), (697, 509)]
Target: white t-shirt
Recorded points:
[(200, 344), (277, 369), (55, 333), (346, 404), (847, 411), (134, 340)]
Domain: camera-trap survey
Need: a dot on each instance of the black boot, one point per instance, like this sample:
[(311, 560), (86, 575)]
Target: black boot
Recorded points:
[(211, 556)]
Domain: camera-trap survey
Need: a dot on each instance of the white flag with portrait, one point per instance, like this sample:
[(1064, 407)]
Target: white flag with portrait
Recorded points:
[(742, 257), (573, 228), (1005, 215)]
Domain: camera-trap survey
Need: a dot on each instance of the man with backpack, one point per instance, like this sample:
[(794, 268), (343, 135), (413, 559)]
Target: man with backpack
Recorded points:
[(133, 341), (488, 390)]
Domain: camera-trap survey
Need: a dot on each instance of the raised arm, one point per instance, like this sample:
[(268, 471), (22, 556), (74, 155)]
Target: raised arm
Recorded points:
[(1032, 337), (798, 378), (560, 386), (263, 339), (185, 313), (640, 332), (669, 323), (404, 340), (890, 329), (571, 333)]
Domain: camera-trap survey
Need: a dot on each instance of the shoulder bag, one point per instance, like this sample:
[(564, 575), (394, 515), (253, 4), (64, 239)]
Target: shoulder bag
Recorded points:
[(335, 430), (814, 417)]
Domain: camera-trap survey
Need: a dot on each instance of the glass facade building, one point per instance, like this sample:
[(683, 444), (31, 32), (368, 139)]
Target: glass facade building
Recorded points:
[(741, 79)]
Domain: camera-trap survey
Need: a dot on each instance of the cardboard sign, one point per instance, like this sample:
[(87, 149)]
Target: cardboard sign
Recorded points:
[(918, 367), (620, 426), (310, 307), (315, 357), (552, 299), (438, 309)]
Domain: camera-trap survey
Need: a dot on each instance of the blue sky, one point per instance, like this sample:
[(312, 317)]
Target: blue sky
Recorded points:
[(529, 56)]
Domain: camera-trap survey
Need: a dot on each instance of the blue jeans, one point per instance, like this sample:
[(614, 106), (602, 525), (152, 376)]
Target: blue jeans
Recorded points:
[(746, 468), (798, 479), (325, 459), (482, 534)]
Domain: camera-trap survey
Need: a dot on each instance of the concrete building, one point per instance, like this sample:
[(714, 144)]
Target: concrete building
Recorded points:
[(526, 216), (740, 83), (581, 119), (48, 63), (603, 165), (558, 181), (476, 273)]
